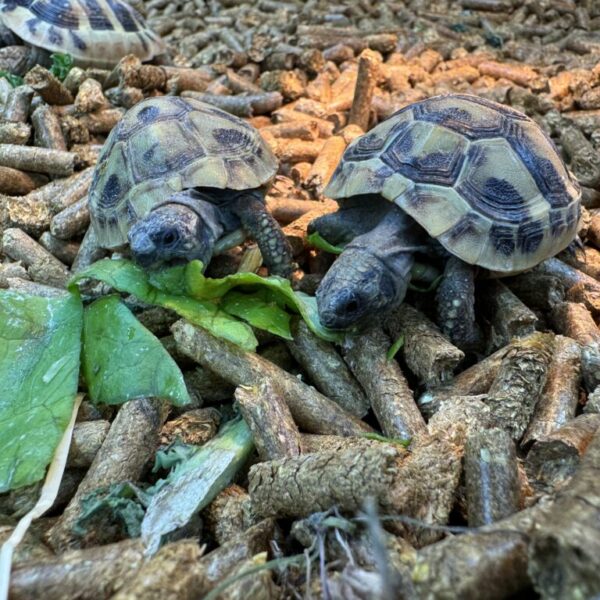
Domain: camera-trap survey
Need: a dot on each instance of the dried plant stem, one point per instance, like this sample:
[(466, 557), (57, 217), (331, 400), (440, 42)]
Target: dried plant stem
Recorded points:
[(132, 438)]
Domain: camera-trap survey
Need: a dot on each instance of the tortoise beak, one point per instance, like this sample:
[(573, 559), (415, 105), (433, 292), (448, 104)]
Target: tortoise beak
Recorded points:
[(339, 309), (143, 250)]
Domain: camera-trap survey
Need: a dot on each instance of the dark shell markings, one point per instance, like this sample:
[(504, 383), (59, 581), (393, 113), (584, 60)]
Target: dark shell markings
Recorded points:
[(165, 145), (480, 177), (95, 32)]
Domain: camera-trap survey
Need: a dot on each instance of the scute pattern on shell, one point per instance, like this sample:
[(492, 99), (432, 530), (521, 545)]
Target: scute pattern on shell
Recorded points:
[(95, 32), (167, 144), (480, 177)]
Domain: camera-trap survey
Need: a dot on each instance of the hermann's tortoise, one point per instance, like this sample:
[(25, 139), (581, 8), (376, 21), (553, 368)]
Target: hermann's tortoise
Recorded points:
[(95, 33), (480, 178), (175, 175)]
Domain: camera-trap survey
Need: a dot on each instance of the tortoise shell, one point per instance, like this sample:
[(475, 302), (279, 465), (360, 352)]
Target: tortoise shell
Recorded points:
[(165, 145), (482, 178), (94, 32)]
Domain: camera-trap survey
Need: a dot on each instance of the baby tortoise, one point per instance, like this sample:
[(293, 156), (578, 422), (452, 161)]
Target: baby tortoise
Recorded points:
[(175, 175), (481, 179), (96, 33)]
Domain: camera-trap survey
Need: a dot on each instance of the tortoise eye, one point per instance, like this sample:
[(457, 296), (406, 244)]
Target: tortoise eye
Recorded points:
[(170, 238)]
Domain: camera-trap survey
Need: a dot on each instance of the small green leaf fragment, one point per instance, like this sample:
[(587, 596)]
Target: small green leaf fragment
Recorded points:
[(61, 65), (14, 80), (424, 272), (39, 371), (316, 241), (175, 453), (122, 504), (395, 347), (426, 290), (122, 360)]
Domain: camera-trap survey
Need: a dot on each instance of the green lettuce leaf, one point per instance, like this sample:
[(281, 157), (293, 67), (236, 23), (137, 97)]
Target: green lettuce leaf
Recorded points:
[(39, 370), (205, 288), (316, 241), (126, 276), (259, 309), (122, 360)]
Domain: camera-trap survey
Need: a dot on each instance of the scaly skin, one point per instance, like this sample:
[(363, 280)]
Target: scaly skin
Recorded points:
[(184, 227), (372, 273), (259, 223), (456, 305)]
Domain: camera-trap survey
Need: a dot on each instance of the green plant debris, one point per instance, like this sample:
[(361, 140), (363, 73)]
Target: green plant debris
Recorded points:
[(126, 276), (194, 483), (61, 65), (424, 272), (202, 287), (39, 370), (212, 303), (425, 290), (14, 80), (316, 241), (169, 457), (420, 272), (259, 309), (121, 504), (395, 347), (122, 360)]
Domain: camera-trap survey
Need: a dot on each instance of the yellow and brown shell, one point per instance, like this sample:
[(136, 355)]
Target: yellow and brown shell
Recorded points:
[(167, 144), (95, 33), (482, 178)]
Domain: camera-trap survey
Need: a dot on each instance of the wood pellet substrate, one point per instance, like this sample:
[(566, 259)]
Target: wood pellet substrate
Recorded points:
[(499, 444)]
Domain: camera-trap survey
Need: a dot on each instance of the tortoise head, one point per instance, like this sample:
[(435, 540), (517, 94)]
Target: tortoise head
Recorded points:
[(358, 285), (169, 234)]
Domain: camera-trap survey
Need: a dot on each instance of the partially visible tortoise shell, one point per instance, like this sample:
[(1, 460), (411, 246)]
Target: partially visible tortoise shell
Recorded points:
[(167, 144), (94, 32), (480, 177)]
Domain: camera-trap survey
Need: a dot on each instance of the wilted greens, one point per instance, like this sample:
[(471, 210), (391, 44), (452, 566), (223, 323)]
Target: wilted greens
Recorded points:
[(196, 475), (194, 482)]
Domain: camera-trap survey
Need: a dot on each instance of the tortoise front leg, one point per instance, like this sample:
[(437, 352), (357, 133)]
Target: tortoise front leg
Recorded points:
[(262, 227), (456, 305)]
